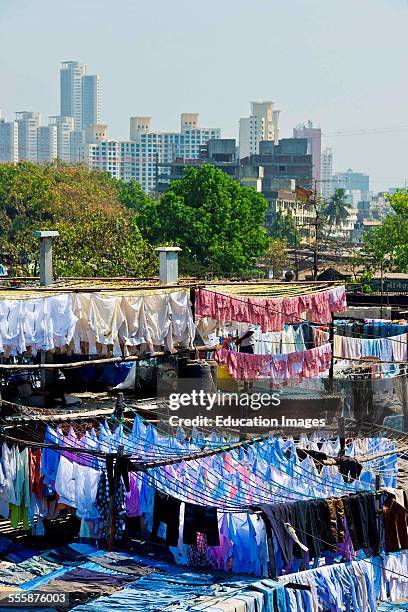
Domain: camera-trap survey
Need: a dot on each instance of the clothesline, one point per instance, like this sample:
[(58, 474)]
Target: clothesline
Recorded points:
[(333, 459), (86, 323), (104, 360), (279, 368), (270, 313), (173, 482), (330, 457), (204, 453), (223, 447)]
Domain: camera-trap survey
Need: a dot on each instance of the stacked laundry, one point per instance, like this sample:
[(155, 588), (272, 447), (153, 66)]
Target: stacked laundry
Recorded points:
[(71, 575), (154, 585), (92, 323)]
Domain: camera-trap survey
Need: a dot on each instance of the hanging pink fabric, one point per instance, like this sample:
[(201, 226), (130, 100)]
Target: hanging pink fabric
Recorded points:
[(270, 313), (279, 368)]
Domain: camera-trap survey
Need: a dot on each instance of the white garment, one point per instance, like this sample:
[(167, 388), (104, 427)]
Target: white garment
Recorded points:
[(245, 328), (105, 320), (64, 482), (101, 322), (63, 318), (85, 488), (133, 331), (268, 343), (158, 320), (182, 322), (8, 469), (350, 348), (12, 331), (399, 347), (288, 340), (396, 569), (40, 323)]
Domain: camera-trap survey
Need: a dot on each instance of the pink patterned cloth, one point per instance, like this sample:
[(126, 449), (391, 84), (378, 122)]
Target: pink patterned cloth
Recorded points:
[(270, 313), (279, 368)]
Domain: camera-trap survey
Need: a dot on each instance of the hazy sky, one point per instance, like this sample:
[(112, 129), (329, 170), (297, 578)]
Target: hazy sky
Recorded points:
[(341, 63)]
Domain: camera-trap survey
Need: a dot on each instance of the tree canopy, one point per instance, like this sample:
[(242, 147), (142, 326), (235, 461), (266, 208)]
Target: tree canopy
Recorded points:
[(217, 222), (102, 245), (336, 209), (276, 258), (132, 195), (98, 235), (284, 228), (387, 244)]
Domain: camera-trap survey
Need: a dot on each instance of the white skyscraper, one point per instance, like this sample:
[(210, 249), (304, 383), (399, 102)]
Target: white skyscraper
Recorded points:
[(71, 91), (27, 135), (64, 126), (141, 156), (8, 141), (80, 94), (91, 100), (46, 143), (327, 173), (262, 124)]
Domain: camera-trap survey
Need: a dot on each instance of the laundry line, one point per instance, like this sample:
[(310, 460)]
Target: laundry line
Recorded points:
[(103, 360)]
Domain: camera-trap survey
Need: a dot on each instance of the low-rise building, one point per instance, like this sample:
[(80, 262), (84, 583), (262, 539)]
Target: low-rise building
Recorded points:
[(287, 200)]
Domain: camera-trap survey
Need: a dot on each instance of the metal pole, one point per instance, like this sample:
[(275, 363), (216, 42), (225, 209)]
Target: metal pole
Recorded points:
[(331, 340), (112, 500), (315, 254)]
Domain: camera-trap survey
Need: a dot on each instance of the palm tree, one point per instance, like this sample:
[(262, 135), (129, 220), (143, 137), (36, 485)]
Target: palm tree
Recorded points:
[(336, 209)]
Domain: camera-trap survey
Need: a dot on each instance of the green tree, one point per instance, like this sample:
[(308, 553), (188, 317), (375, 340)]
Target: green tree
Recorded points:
[(276, 258), (81, 204), (98, 244), (132, 195), (283, 227), (387, 245), (217, 222), (336, 209)]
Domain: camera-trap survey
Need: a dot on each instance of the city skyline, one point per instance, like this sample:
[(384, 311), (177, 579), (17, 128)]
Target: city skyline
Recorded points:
[(318, 69), (62, 139)]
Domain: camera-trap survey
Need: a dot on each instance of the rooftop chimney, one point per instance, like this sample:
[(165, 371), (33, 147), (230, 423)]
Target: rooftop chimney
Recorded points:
[(168, 271), (46, 277)]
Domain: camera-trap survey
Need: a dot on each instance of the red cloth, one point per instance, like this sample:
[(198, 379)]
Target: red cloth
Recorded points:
[(36, 478), (270, 313), (279, 368)]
